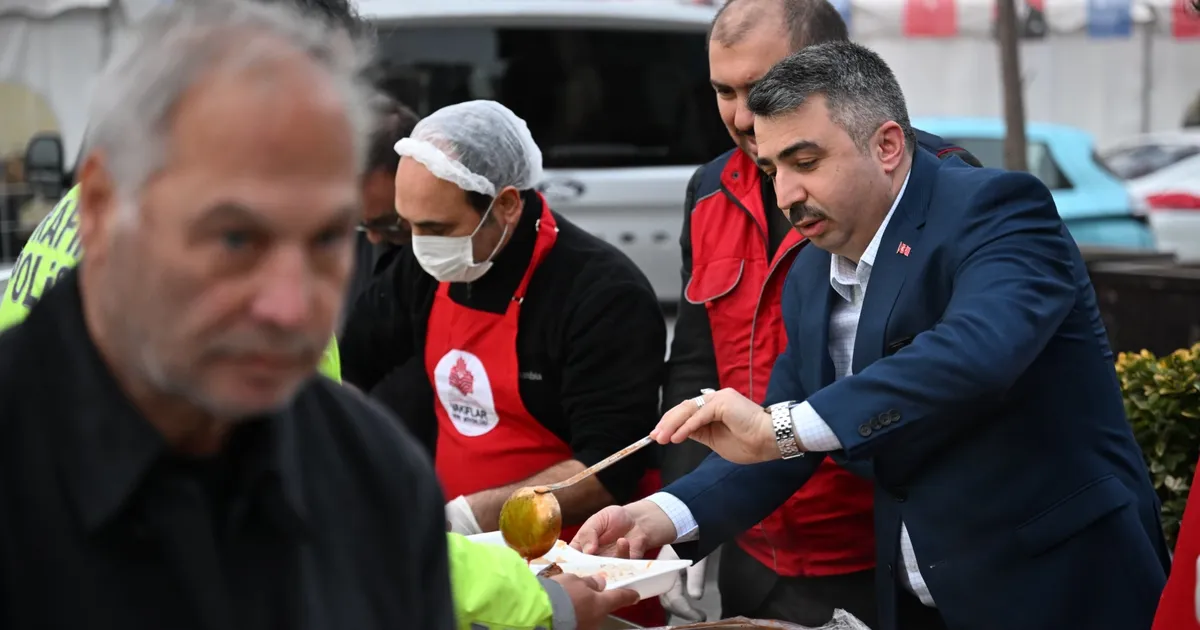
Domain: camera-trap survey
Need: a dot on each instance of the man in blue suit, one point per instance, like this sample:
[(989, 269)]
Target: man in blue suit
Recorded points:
[(972, 380)]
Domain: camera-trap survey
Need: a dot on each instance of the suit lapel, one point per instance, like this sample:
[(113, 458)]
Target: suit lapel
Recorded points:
[(891, 263), (819, 373)]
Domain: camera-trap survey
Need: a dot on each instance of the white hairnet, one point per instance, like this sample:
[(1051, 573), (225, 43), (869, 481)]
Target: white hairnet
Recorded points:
[(481, 146)]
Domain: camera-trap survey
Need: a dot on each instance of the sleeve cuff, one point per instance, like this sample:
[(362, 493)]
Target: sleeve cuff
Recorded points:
[(560, 602), (686, 527), (812, 432)]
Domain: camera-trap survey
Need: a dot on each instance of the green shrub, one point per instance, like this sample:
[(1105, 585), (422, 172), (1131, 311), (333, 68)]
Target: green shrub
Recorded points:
[(1162, 402)]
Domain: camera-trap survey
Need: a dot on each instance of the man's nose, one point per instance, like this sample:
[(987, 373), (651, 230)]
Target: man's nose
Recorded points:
[(374, 237), (283, 297), (789, 191), (743, 120)]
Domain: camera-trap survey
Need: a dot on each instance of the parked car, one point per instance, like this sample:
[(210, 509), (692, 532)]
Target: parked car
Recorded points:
[(1093, 202), (1162, 172), (615, 93)]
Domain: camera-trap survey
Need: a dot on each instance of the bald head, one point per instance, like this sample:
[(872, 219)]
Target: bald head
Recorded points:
[(802, 22)]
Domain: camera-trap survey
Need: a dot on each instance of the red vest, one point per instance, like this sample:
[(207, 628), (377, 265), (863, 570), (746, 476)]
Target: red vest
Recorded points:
[(1179, 604), (827, 527)]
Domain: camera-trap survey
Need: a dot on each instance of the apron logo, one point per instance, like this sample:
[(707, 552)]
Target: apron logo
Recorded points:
[(461, 378), (465, 393)]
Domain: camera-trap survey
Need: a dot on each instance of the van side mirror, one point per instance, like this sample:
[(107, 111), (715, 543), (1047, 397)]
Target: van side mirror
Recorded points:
[(44, 165)]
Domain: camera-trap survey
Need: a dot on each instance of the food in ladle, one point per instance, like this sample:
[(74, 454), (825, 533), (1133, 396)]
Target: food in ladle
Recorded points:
[(550, 571), (531, 522)]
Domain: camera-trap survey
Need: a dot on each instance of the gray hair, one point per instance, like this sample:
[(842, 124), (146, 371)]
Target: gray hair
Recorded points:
[(175, 46), (859, 89)]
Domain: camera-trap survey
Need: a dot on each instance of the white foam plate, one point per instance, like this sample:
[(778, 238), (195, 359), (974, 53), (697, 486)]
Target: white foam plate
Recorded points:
[(650, 578)]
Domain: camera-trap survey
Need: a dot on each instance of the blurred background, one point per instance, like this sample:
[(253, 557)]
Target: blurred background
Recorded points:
[(616, 93)]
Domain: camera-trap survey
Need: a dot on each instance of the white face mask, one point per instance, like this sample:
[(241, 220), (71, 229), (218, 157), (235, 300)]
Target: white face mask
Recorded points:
[(452, 258)]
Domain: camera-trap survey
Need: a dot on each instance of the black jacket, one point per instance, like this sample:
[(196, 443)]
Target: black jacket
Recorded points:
[(323, 515), (590, 347)]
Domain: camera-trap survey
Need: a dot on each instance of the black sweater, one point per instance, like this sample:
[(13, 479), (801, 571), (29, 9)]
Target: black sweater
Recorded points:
[(590, 328)]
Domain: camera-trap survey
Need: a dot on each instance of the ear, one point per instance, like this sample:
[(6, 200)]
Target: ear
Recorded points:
[(99, 206), (507, 207), (890, 145)]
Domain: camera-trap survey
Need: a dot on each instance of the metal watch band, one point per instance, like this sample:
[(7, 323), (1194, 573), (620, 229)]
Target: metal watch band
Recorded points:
[(785, 429)]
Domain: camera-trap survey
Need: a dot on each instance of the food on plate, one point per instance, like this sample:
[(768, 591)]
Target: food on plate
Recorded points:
[(611, 572), (551, 570)]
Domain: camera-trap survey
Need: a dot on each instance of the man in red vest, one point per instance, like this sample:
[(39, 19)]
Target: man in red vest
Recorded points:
[(817, 552)]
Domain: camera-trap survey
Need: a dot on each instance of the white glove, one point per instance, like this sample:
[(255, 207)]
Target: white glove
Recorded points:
[(688, 587), (461, 518)]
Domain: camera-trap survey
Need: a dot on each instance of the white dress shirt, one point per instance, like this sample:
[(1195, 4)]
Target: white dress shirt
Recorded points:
[(849, 280)]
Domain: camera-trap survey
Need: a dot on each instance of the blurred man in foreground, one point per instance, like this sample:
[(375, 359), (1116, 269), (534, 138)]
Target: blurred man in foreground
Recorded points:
[(816, 552), (169, 459), (959, 360)]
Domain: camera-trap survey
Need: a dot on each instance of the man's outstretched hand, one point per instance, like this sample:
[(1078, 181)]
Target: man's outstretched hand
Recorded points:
[(728, 423), (625, 531)]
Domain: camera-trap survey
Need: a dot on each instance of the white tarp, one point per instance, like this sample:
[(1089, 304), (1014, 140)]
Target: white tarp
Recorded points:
[(55, 48), (46, 8)]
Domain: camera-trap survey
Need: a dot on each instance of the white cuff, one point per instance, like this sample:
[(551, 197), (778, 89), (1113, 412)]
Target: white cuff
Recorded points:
[(686, 528), (812, 432), (462, 519)]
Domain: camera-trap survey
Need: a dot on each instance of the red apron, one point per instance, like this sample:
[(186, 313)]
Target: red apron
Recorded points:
[(471, 357), (1177, 607)]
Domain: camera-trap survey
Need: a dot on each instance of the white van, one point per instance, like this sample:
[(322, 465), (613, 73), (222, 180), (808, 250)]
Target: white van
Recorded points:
[(616, 94)]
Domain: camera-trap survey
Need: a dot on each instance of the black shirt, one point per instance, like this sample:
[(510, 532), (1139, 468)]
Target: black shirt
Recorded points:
[(404, 391), (778, 225), (323, 515), (590, 342)]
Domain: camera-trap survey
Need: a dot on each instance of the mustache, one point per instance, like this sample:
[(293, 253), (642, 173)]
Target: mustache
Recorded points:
[(802, 213), (273, 342)]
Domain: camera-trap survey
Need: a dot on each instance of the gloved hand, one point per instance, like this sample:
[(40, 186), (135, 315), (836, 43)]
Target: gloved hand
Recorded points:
[(461, 518), (688, 587)]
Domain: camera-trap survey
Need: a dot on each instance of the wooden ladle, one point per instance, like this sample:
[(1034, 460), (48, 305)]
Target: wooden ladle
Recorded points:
[(531, 519)]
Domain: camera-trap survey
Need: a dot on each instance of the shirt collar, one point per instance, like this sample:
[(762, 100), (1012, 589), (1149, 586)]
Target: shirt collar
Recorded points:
[(844, 273), (108, 447)]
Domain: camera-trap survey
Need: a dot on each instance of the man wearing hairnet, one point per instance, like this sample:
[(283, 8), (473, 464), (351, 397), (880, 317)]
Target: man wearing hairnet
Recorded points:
[(543, 343)]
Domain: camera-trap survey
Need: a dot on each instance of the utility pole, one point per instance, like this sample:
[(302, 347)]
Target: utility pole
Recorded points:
[(1008, 34)]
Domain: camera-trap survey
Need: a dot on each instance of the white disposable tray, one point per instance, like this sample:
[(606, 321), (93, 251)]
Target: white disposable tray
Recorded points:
[(650, 578)]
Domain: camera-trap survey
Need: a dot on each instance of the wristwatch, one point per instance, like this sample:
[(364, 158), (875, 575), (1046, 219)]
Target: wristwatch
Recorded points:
[(785, 429)]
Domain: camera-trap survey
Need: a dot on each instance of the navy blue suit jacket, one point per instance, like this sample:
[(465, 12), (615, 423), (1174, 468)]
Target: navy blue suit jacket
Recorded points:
[(984, 405)]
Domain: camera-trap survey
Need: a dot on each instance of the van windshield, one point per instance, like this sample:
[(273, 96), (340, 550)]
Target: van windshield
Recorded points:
[(592, 98)]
